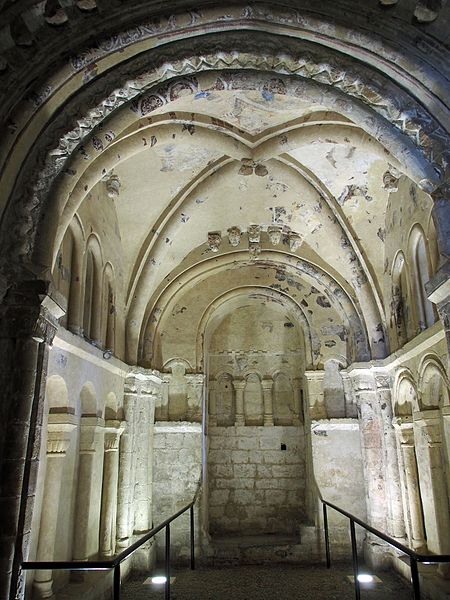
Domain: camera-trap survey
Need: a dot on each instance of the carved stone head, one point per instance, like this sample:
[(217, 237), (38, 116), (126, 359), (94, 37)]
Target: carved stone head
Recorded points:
[(234, 236), (255, 249), (113, 186), (254, 233), (274, 233), (390, 181), (214, 240), (294, 241)]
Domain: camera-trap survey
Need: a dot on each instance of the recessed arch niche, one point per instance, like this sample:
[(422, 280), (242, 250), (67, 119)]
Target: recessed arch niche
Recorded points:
[(254, 346)]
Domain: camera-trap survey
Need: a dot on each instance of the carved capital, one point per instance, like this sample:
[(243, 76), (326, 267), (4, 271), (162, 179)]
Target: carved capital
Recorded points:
[(60, 428), (362, 380), (267, 385), (31, 309), (405, 430), (143, 382), (238, 384), (90, 427), (113, 431), (429, 424)]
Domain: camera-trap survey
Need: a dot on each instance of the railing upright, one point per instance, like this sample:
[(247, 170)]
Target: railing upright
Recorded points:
[(414, 557), (116, 584), (415, 578), (192, 539), (167, 563), (327, 535), (114, 564), (355, 559)]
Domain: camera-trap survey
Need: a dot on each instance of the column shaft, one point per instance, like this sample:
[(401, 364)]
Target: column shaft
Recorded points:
[(267, 385), (239, 390)]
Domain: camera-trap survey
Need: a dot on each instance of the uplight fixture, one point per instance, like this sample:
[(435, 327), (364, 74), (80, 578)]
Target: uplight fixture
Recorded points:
[(365, 578)]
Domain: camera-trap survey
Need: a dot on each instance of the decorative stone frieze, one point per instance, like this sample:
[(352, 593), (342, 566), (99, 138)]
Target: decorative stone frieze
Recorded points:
[(432, 138)]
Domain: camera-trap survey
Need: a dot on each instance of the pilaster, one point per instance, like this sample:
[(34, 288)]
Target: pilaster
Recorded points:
[(433, 483), (314, 393), (28, 323)]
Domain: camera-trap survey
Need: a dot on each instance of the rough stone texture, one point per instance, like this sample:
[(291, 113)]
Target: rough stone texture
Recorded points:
[(255, 486), (177, 471)]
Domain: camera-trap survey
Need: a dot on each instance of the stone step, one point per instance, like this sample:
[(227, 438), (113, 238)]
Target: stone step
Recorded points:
[(264, 549)]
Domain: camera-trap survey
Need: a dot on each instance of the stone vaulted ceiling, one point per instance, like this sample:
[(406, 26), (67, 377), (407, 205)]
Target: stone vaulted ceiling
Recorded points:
[(311, 134)]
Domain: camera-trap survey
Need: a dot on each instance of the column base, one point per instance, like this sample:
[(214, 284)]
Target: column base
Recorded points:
[(43, 589)]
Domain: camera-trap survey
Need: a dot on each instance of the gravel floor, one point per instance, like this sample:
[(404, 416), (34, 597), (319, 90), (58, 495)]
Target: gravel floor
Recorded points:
[(278, 582)]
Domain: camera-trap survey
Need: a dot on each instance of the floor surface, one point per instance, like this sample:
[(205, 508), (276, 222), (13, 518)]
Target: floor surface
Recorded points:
[(275, 582)]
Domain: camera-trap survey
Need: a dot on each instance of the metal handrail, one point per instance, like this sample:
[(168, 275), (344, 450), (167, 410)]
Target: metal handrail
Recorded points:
[(415, 557), (107, 565)]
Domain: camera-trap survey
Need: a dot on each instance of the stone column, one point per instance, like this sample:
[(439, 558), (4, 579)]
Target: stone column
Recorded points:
[(314, 392), (113, 431), (405, 433), (60, 427), (86, 511), (239, 385), (127, 465), (142, 388), (267, 386), (433, 484), (371, 429), (396, 523), (28, 322), (298, 408)]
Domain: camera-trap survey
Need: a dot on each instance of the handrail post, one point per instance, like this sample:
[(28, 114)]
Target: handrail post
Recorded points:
[(167, 565), (327, 538), (355, 559), (116, 583), (192, 538), (415, 578)]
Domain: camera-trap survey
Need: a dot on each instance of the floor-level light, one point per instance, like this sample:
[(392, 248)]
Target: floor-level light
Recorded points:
[(159, 579), (365, 578)]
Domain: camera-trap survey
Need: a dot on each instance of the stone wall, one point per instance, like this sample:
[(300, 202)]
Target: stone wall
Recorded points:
[(338, 467), (177, 471), (256, 479)]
